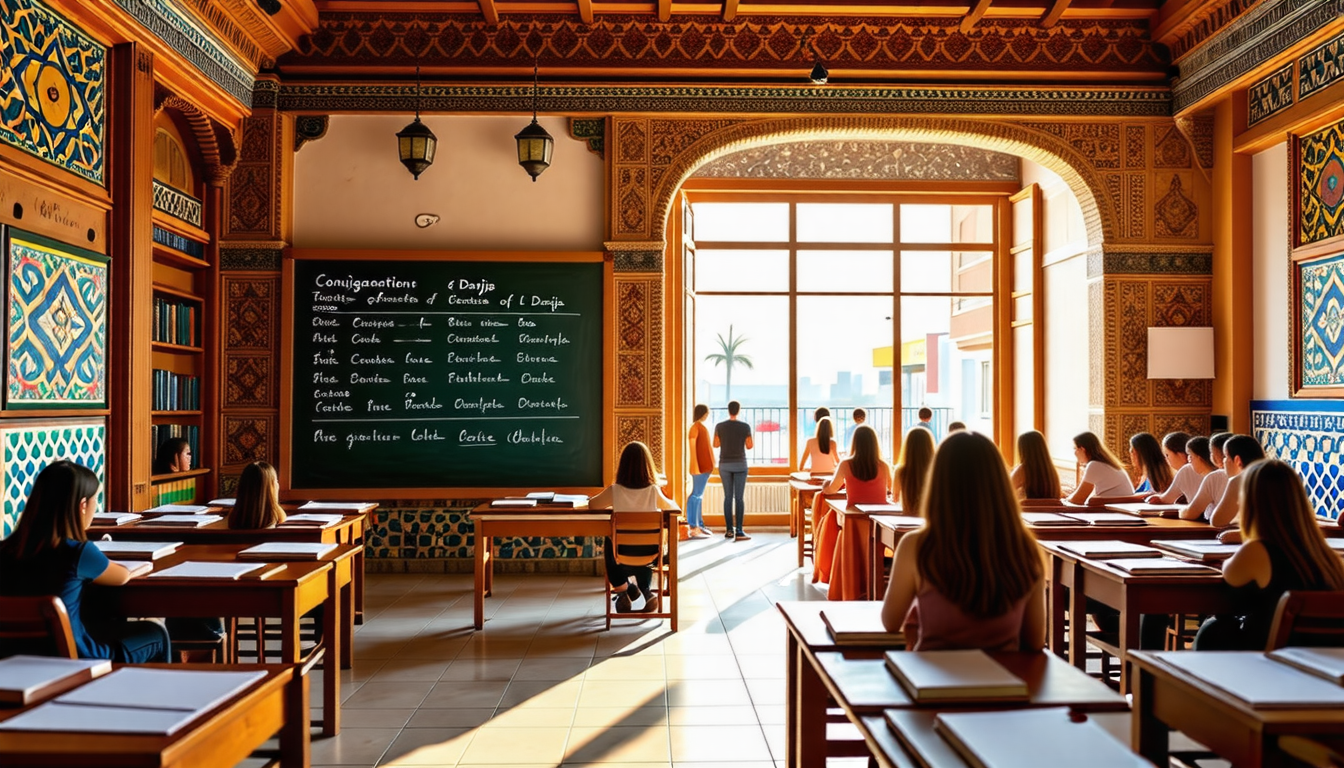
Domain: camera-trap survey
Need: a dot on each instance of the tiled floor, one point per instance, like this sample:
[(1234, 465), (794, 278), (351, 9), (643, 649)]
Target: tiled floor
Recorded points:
[(544, 685)]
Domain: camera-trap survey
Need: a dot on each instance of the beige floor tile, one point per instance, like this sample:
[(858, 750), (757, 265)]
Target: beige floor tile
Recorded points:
[(618, 744), (465, 695), (628, 668), (436, 647), (542, 693), (767, 692), (618, 716), (718, 743), (533, 717), (634, 693), (739, 715), (481, 669), (708, 693), (357, 746), (502, 746), (428, 746), (388, 695), (552, 668), (762, 666), (410, 670), (375, 718), (450, 718), (708, 667)]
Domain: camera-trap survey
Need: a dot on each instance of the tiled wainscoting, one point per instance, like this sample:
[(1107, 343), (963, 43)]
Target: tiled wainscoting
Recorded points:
[(1308, 434)]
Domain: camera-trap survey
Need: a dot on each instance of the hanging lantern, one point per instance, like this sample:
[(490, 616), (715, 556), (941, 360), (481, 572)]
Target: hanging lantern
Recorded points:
[(416, 143), (534, 143)]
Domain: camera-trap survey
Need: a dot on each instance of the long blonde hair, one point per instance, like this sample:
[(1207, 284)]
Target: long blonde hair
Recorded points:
[(975, 549), (1095, 450), (912, 473), (1275, 510), (257, 505), (1040, 480)]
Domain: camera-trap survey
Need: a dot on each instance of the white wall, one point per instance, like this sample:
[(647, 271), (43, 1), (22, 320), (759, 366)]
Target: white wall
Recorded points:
[(1066, 311), (1269, 185), (350, 190)]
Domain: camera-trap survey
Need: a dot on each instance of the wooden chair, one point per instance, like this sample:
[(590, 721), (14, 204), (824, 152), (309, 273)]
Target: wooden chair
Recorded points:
[(36, 625), (639, 539), (1308, 618)]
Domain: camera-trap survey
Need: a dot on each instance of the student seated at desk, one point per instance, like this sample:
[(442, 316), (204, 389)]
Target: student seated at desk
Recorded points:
[(866, 479), (912, 471), (973, 571), (635, 490), (1185, 482), (821, 453), (1145, 452), (1102, 475), (1240, 452), (257, 502), (48, 553), (1212, 481), (1284, 550), (1035, 477)]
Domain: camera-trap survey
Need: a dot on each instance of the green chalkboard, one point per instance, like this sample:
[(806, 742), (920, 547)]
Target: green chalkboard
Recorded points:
[(446, 374)]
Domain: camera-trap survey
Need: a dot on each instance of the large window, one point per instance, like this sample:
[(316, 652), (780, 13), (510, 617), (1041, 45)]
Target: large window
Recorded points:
[(883, 303)]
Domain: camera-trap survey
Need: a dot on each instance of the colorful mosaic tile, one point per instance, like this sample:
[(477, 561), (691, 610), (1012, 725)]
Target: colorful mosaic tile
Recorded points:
[(52, 88), (28, 446), (57, 325), (1310, 437), (1322, 321), (411, 534), (1321, 184)]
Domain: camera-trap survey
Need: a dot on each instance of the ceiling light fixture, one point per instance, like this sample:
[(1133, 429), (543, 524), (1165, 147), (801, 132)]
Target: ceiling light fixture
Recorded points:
[(271, 7), (819, 74), (416, 143), (534, 143)]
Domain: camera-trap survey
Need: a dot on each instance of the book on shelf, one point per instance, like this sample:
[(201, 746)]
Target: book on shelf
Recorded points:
[(880, 509), (206, 570), (26, 679), (954, 676), (287, 550), (180, 521), (1325, 663), (137, 550), (312, 520), (114, 518), (514, 503), (1047, 518), (1116, 519), (175, 391), (1107, 550), (1146, 510), (858, 623), (1257, 679), (1162, 566), (182, 490), (1028, 738), (175, 322), (1211, 551)]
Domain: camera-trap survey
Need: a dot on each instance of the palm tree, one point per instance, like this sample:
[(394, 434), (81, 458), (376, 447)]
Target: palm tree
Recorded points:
[(729, 357)]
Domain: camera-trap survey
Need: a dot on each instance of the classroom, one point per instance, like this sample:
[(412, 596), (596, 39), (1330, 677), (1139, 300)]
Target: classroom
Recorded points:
[(272, 261)]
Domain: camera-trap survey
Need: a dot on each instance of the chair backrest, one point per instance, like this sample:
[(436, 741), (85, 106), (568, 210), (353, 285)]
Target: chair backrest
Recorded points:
[(37, 626), (638, 536), (1308, 619)]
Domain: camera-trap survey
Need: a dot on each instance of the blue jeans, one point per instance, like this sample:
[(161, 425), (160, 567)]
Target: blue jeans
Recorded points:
[(734, 477), (694, 518), (140, 642)]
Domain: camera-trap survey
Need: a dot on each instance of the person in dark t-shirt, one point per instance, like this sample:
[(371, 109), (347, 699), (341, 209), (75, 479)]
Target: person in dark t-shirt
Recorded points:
[(733, 439)]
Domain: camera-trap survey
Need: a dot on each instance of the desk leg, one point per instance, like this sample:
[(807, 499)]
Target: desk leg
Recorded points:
[(793, 517), (1077, 620), (792, 660), (349, 602), (359, 583), (483, 545), (1148, 735), (1055, 605), (672, 577), (332, 629), (1129, 638), (295, 745), (811, 716)]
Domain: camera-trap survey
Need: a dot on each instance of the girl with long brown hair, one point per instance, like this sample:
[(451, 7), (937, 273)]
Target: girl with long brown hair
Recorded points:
[(635, 490), (1035, 477), (973, 570), (1102, 474), (257, 504), (866, 479), (912, 471)]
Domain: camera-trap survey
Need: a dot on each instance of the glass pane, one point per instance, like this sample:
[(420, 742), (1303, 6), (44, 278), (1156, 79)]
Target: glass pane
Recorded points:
[(926, 271), (741, 270), (742, 222), (846, 370), (972, 223), (863, 271), (926, 223), (844, 223), (947, 363), (742, 353)]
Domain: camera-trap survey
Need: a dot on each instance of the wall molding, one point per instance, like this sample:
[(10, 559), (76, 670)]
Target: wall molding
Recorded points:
[(188, 37)]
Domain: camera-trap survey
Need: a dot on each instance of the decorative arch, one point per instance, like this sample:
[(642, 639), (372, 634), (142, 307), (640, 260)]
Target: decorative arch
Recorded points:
[(1045, 149), (217, 143)]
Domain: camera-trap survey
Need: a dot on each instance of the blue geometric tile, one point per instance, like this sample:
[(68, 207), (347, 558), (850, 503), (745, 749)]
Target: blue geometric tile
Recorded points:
[(28, 446), (1310, 437)]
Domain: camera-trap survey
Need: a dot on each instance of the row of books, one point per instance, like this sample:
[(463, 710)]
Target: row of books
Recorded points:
[(160, 432), (175, 322), (176, 391)]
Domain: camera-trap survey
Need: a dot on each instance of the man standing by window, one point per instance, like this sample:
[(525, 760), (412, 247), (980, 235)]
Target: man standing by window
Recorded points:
[(733, 439)]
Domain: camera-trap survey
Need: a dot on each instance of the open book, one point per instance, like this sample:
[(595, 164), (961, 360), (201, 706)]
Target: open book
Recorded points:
[(1107, 550), (1047, 518), (1211, 551), (1147, 510), (287, 550), (137, 550), (1031, 738), (1162, 566), (26, 679), (858, 623), (114, 518), (1106, 518), (1325, 663), (954, 676), (318, 521)]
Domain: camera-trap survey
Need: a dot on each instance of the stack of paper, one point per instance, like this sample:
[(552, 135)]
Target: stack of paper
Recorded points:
[(287, 550), (1147, 510), (545, 497), (337, 506), (137, 550), (178, 509), (1107, 550), (25, 679), (954, 676), (320, 521), (1106, 518), (206, 570), (1028, 738), (858, 623), (1047, 518), (1211, 551), (181, 521), (880, 509), (514, 503), (114, 518), (1162, 566)]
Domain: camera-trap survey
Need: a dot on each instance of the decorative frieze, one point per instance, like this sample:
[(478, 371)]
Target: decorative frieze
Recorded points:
[(177, 204)]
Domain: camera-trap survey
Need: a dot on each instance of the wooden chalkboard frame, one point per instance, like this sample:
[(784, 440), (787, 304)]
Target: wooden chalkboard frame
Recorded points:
[(291, 255)]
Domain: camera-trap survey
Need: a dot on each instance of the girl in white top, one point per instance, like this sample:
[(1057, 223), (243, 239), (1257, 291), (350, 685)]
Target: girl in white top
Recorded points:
[(1212, 481), (1102, 475), (1187, 478), (635, 490), (821, 451)]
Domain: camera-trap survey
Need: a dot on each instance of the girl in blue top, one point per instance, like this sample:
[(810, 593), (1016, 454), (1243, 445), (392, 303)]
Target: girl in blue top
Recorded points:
[(49, 554)]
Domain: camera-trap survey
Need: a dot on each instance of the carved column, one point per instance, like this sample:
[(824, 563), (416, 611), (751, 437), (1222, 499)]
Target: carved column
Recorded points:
[(257, 226), (639, 364)]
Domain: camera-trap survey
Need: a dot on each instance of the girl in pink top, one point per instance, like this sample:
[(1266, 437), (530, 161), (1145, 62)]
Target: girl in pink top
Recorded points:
[(973, 570), (866, 479)]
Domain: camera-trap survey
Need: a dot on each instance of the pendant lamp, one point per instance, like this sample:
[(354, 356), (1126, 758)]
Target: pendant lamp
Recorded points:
[(415, 142), (534, 143)]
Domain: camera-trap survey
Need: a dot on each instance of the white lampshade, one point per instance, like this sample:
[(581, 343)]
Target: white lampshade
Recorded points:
[(1180, 353)]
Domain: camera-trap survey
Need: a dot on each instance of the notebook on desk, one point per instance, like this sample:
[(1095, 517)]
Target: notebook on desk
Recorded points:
[(207, 570), (1106, 518), (1107, 550), (137, 550), (1325, 663), (1212, 551), (880, 509), (514, 503), (336, 506), (114, 518), (287, 550), (26, 679), (1162, 566), (1047, 519), (1147, 510), (1258, 680), (180, 521), (225, 502), (1031, 738), (858, 622), (178, 509), (954, 676), (901, 522), (313, 520)]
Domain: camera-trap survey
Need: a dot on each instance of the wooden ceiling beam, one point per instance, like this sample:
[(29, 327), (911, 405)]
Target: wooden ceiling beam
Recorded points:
[(489, 11), (1053, 15), (977, 13), (729, 10), (664, 10), (586, 11)]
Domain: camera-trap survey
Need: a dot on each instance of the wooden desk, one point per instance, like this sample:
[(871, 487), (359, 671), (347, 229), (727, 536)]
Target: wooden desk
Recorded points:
[(885, 534), (352, 529), (854, 552), (923, 746), (1132, 595), (802, 489), (287, 594), (500, 522), (1165, 696), (1156, 528), (221, 737)]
